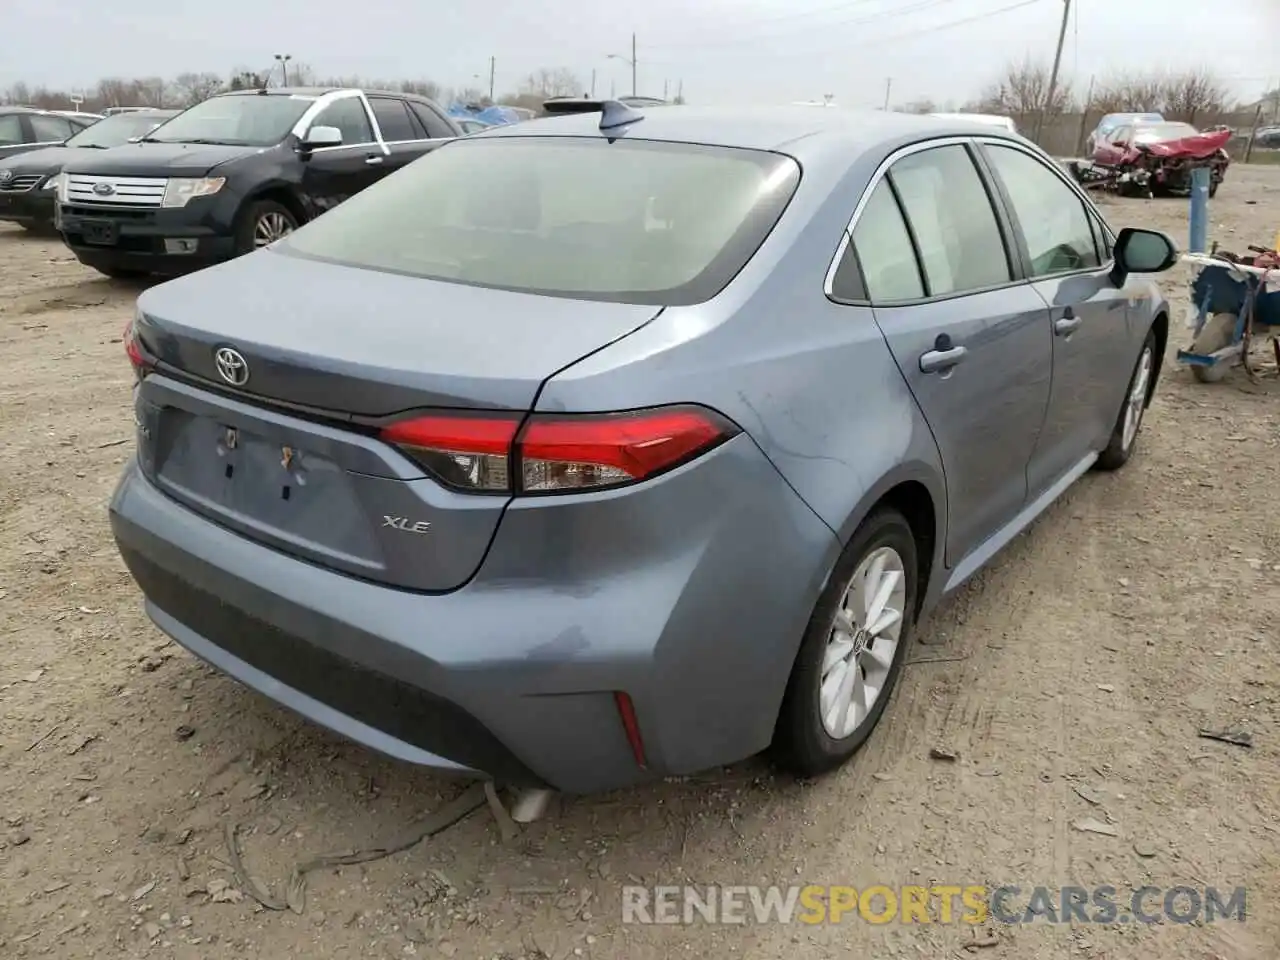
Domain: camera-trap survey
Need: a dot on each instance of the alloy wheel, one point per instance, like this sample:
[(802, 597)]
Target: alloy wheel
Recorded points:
[(271, 227), (1136, 403), (863, 642)]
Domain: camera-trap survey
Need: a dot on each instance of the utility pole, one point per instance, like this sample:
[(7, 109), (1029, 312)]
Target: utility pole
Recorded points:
[(888, 87), (493, 71), (1057, 64), (593, 83), (666, 86), (633, 64), (284, 59), (1084, 118), (680, 91)]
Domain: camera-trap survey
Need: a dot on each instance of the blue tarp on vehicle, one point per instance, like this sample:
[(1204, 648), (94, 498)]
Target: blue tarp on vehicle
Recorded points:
[(491, 115)]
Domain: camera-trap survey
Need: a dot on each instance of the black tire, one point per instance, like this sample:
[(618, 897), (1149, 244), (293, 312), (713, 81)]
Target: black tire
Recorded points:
[(40, 229), (254, 215), (801, 743), (1117, 452), (1213, 188), (120, 273)]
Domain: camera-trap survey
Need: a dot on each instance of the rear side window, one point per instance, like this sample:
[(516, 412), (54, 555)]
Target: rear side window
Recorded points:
[(1053, 219), (952, 221), (349, 116), (393, 119), (884, 250), (436, 126), (630, 221)]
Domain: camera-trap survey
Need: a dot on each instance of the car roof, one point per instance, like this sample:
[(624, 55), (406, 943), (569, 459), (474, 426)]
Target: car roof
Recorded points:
[(318, 92), (797, 130)]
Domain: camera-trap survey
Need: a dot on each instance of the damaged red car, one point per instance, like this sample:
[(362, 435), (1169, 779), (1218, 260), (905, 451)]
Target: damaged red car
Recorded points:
[(1156, 158)]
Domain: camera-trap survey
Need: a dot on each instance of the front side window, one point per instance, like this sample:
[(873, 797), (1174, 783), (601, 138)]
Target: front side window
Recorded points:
[(883, 246), (952, 221), (629, 221), (1052, 216), (251, 119), (349, 116)]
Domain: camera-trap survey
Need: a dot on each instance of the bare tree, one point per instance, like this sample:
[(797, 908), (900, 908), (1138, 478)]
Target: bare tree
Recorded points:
[(549, 82), (192, 88), (1022, 92), (1193, 94), (423, 88), (1128, 93)]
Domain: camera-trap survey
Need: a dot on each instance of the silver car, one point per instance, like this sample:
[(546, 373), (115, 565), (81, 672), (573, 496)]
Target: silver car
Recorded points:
[(617, 445)]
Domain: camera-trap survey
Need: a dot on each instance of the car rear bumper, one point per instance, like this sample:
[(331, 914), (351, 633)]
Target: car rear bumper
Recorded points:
[(513, 676), (148, 240), (28, 207)]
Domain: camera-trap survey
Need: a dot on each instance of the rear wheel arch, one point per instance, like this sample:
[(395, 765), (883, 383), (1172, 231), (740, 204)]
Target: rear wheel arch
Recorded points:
[(920, 498), (1160, 327)]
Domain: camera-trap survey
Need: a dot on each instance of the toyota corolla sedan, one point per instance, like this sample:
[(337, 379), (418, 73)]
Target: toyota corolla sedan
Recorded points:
[(629, 443)]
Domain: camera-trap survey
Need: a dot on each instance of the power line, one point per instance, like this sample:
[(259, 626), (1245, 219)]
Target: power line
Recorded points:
[(916, 7), (893, 38)]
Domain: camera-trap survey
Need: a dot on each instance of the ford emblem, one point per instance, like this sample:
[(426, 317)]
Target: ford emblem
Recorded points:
[(103, 189)]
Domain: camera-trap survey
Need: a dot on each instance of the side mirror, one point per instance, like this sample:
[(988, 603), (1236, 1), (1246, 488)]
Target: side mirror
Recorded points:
[(1142, 251), (319, 137)]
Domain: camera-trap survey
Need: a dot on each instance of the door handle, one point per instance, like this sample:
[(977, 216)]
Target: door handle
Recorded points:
[(1066, 324), (938, 361), (373, 161)]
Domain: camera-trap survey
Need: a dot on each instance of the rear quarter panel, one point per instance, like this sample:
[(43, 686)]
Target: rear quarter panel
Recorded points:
[(812, 382)]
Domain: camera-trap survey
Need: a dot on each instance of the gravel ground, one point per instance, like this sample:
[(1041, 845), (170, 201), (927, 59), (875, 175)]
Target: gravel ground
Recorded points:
[(1070, 679)]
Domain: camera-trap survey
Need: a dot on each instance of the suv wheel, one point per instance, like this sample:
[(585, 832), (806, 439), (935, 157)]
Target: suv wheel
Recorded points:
[(261, 223), (853, 649)]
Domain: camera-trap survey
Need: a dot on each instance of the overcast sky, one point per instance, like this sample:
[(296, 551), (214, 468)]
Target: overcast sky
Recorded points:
[(721, 50)]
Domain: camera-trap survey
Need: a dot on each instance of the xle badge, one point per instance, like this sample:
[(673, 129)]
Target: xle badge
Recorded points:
[(405, 524)]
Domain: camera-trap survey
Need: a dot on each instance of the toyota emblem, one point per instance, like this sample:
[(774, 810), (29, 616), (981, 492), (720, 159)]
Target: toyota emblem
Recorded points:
[(231, 366), (103, 189)]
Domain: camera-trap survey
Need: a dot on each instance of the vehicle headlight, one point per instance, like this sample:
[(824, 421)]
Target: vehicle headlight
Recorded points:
[(182, 189)]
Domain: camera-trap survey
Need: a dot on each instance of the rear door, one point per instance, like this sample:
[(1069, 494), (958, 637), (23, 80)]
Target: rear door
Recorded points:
[(332, 174), (405, 136), (1093, 352), (969, 336)]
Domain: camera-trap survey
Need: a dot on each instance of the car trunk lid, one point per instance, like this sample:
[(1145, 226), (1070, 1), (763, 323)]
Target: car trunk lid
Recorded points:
[(291, 457)]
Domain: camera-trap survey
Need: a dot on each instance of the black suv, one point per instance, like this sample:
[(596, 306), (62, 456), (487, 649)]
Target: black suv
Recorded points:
[(235, 173), (26, 128)]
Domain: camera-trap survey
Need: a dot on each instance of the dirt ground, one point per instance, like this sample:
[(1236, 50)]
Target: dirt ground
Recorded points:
[(1071, 678)]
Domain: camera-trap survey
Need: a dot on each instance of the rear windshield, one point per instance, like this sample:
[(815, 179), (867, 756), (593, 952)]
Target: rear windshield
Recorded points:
[(632, 221)]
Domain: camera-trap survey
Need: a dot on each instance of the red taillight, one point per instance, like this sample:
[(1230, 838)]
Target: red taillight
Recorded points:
[(470, 453), (630, 726), (133, 348), (557, 453)]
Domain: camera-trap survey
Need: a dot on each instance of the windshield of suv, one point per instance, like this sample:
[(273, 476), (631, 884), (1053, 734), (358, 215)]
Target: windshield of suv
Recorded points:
[(249, 120), (631, 221), (116, 130)]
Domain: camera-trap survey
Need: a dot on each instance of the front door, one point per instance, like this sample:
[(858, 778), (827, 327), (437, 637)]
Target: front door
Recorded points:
[(332, 174), (1088, 315), (970, 339)]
